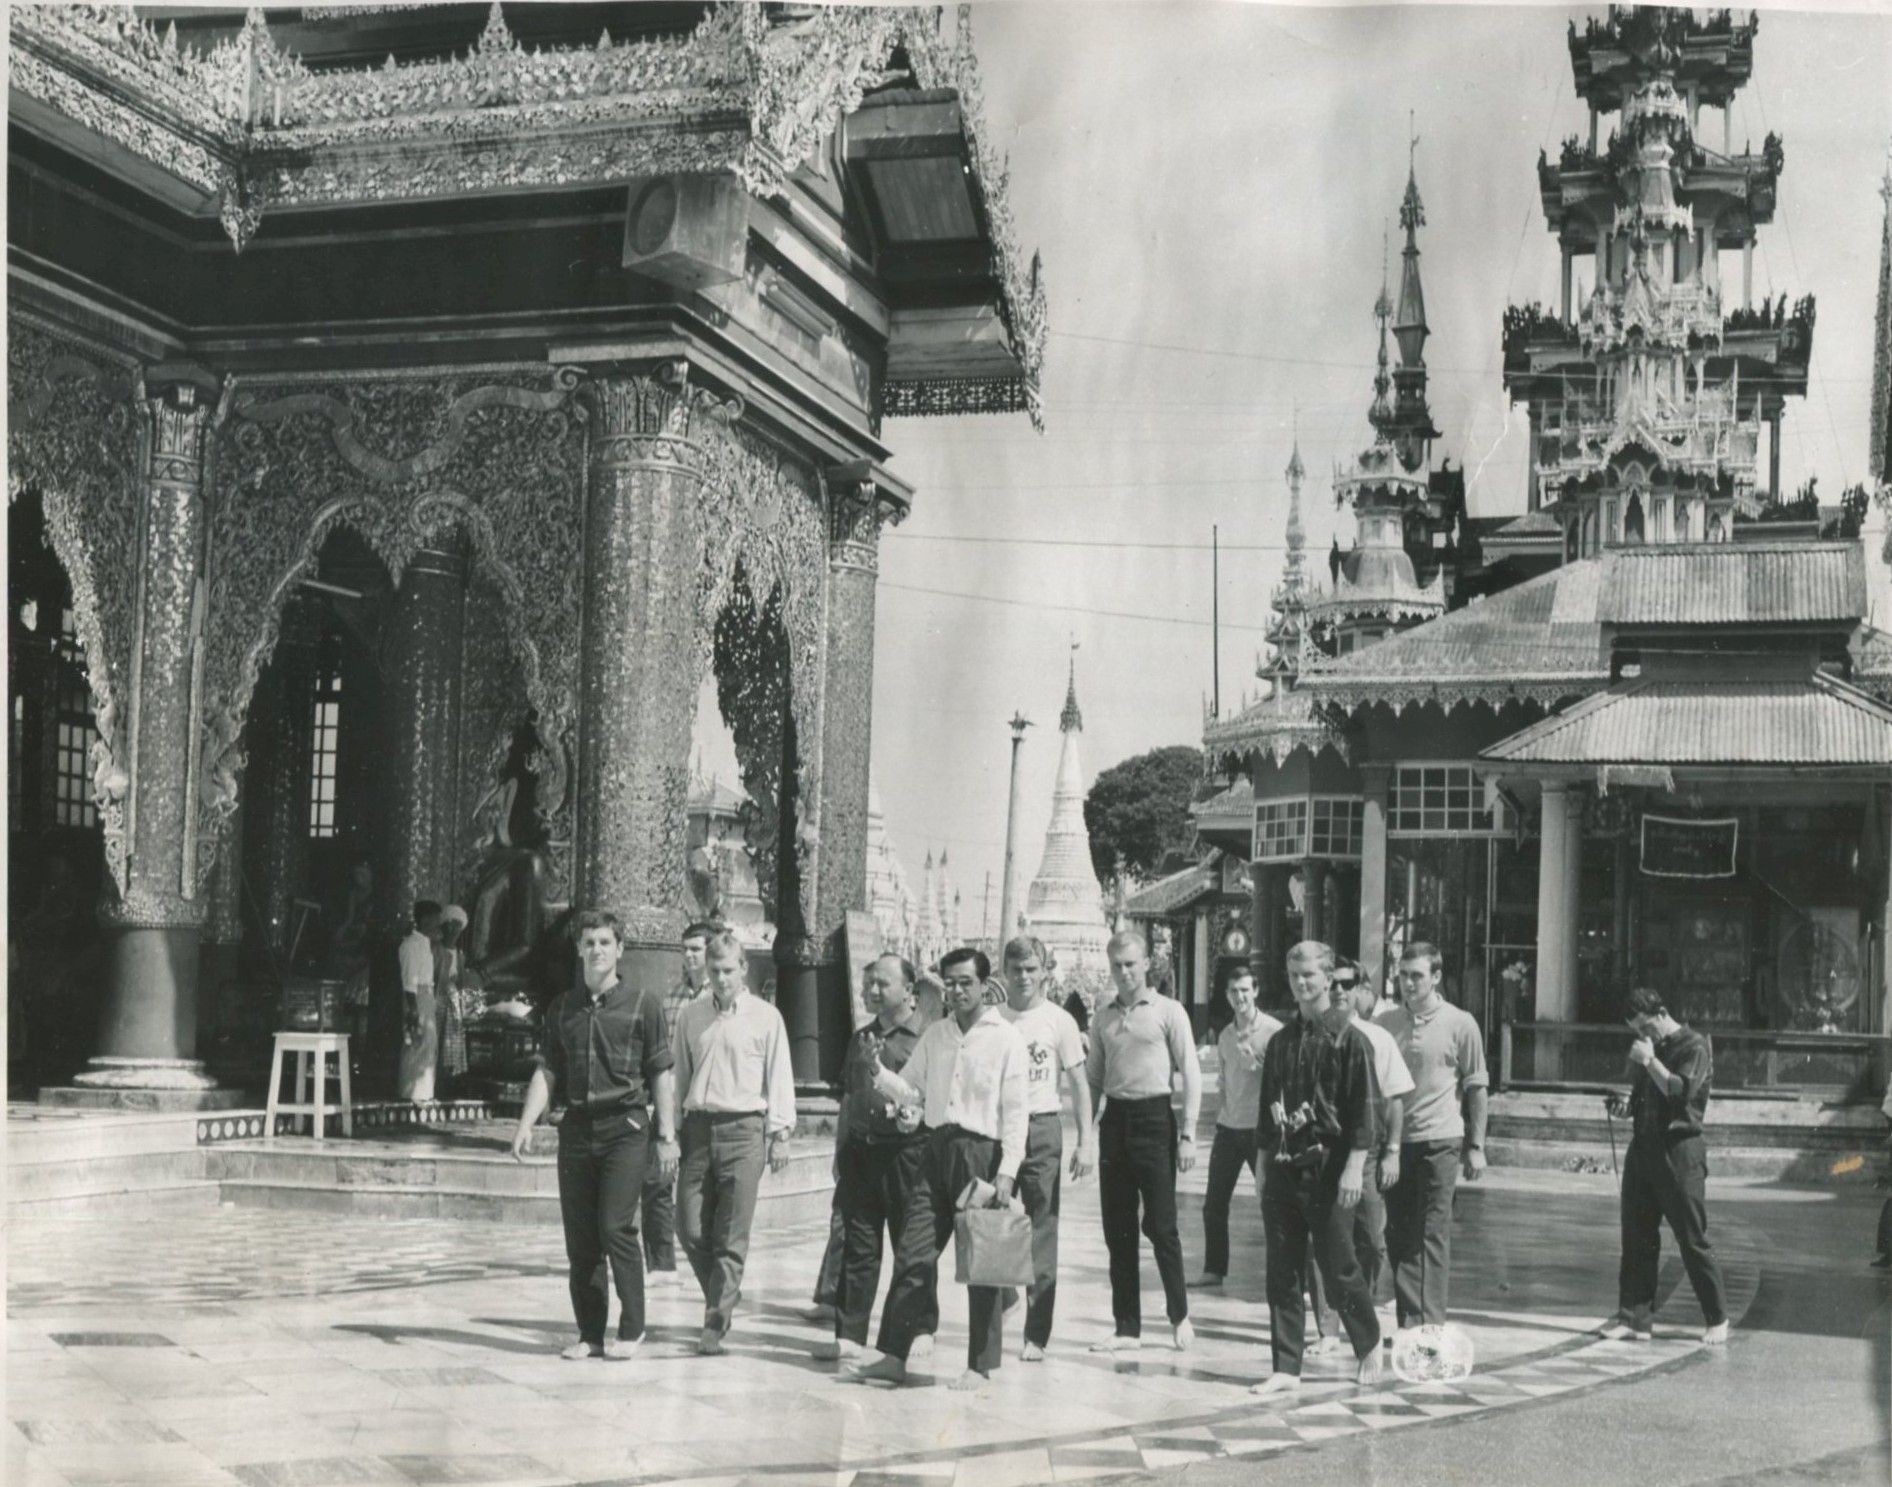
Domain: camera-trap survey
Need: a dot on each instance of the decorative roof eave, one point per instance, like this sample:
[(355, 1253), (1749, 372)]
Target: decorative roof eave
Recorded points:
[(1419, 605), (1239, 737), (248, 127), (1350, 695)]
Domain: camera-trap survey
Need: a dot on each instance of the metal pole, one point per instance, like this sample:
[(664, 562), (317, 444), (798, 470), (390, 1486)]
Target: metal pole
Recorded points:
[(1008, 897), (1215, 621)]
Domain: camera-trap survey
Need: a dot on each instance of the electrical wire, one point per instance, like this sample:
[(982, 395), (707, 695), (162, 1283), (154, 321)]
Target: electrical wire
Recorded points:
[(1108, 614)]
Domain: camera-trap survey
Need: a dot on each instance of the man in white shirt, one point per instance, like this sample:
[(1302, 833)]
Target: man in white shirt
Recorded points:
[(1056, 1049), (968, 1076), (1394, 1082), (420, 1037), (737, 1086), (1139, 1044), (1238, 1049)]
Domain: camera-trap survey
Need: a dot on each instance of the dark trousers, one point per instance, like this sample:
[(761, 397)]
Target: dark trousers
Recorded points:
[(828, 1279), (883, 1186), (1304, 1222), (600, 1179), (1232, 1151), (1040, 1181), (660, 1220), (1667, 1182), (1369, 1232), (716, 1189), (954, 1157), (1136, 1168), (1419, 1230)]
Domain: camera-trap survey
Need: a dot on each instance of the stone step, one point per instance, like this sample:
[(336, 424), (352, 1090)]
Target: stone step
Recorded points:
[(36, 1134), (365, 1166), (29, 1182), (113, 1203), (1752, 1163), (154, 1101), (458, 1174)]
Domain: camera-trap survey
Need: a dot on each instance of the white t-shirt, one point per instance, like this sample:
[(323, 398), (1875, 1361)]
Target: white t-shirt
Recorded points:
[(1389, 1064), (1054, 1045)]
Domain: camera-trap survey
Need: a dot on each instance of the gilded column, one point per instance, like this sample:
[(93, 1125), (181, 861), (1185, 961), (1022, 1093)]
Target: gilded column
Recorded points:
[(426, 633), (148, 1026), (637, 673), (274, 842), (813, 999)]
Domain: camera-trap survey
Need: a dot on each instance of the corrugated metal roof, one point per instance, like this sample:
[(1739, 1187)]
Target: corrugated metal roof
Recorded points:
[(1726, 583), (1544, 627), (1168, 895), (1815, 721)]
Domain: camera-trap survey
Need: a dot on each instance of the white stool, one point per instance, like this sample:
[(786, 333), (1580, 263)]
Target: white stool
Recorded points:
[(312, 1077)]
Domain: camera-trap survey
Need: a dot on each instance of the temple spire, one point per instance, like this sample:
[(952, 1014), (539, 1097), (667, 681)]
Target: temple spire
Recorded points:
[(1071, 720), (1380, 415)]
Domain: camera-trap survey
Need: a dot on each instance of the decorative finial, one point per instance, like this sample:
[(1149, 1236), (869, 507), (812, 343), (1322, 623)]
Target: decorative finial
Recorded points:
[(1071, 720)]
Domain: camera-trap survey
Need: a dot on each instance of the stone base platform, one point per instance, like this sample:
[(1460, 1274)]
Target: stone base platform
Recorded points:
[(154, 1101)]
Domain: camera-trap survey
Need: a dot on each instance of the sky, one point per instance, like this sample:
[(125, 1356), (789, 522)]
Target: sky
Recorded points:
[(1212, 186)]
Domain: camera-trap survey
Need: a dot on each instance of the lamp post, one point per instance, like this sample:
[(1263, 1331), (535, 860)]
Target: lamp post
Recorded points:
[(1008, 884)]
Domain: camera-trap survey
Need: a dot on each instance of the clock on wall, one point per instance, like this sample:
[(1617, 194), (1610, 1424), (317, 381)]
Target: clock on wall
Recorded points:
[(1235, 940)]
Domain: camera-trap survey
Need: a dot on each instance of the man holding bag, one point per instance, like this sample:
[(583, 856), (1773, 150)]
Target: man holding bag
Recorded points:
[(968, 1075)]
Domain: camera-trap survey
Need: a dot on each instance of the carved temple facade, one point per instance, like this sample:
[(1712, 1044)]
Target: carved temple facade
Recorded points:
[(409, 407), (1637, 733)]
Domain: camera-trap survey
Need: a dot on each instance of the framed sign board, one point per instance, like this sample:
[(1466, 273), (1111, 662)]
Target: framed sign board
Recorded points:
[(1673, 847)]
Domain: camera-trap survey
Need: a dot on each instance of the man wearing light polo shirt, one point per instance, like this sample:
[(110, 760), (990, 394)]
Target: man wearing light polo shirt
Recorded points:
[(1394, 1082), (968, 1075), (1445, 1133), (1056, 1050), (1139, 1043), (733, 1070)]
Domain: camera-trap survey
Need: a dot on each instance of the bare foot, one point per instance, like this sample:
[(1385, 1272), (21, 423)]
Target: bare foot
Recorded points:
[(1118, 1345), (1032, 1353), (1207, 1281), (710, 1344), (841, 1349), (581, 1350), (970, 1380), (886, 1371), (1372, 1369), (1277, 1386), (821, 1314), (623, 1349), (1183, 1335), (1717, 1335), (1323, 1347), (922, 1349)]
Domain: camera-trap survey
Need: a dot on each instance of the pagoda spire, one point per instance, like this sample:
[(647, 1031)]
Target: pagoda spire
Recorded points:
[(1287, 630), (1380, 415), (1410, 325), (1071, 720)]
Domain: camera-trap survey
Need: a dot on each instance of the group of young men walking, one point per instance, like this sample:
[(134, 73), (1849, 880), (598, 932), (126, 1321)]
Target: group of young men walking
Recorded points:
[(1357, 1128)]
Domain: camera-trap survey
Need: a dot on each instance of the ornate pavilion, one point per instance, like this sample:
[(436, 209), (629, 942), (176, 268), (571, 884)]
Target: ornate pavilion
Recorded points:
[(408, 407), (1640, 732)]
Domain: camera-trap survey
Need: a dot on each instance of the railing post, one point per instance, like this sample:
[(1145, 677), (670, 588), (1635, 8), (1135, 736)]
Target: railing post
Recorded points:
[(1504, 1055)]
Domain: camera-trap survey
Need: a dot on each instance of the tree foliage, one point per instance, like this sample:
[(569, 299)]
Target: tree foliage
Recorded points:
[(1138, 811)]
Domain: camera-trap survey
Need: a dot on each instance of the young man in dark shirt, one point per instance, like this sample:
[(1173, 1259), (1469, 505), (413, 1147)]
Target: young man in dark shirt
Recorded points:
[(1318, 1125), (1665, 1171), (606, 1049)]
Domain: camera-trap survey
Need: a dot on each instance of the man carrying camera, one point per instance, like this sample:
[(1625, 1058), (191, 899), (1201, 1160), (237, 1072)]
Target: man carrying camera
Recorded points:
[(1665, 1171), (1319, 1123)]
